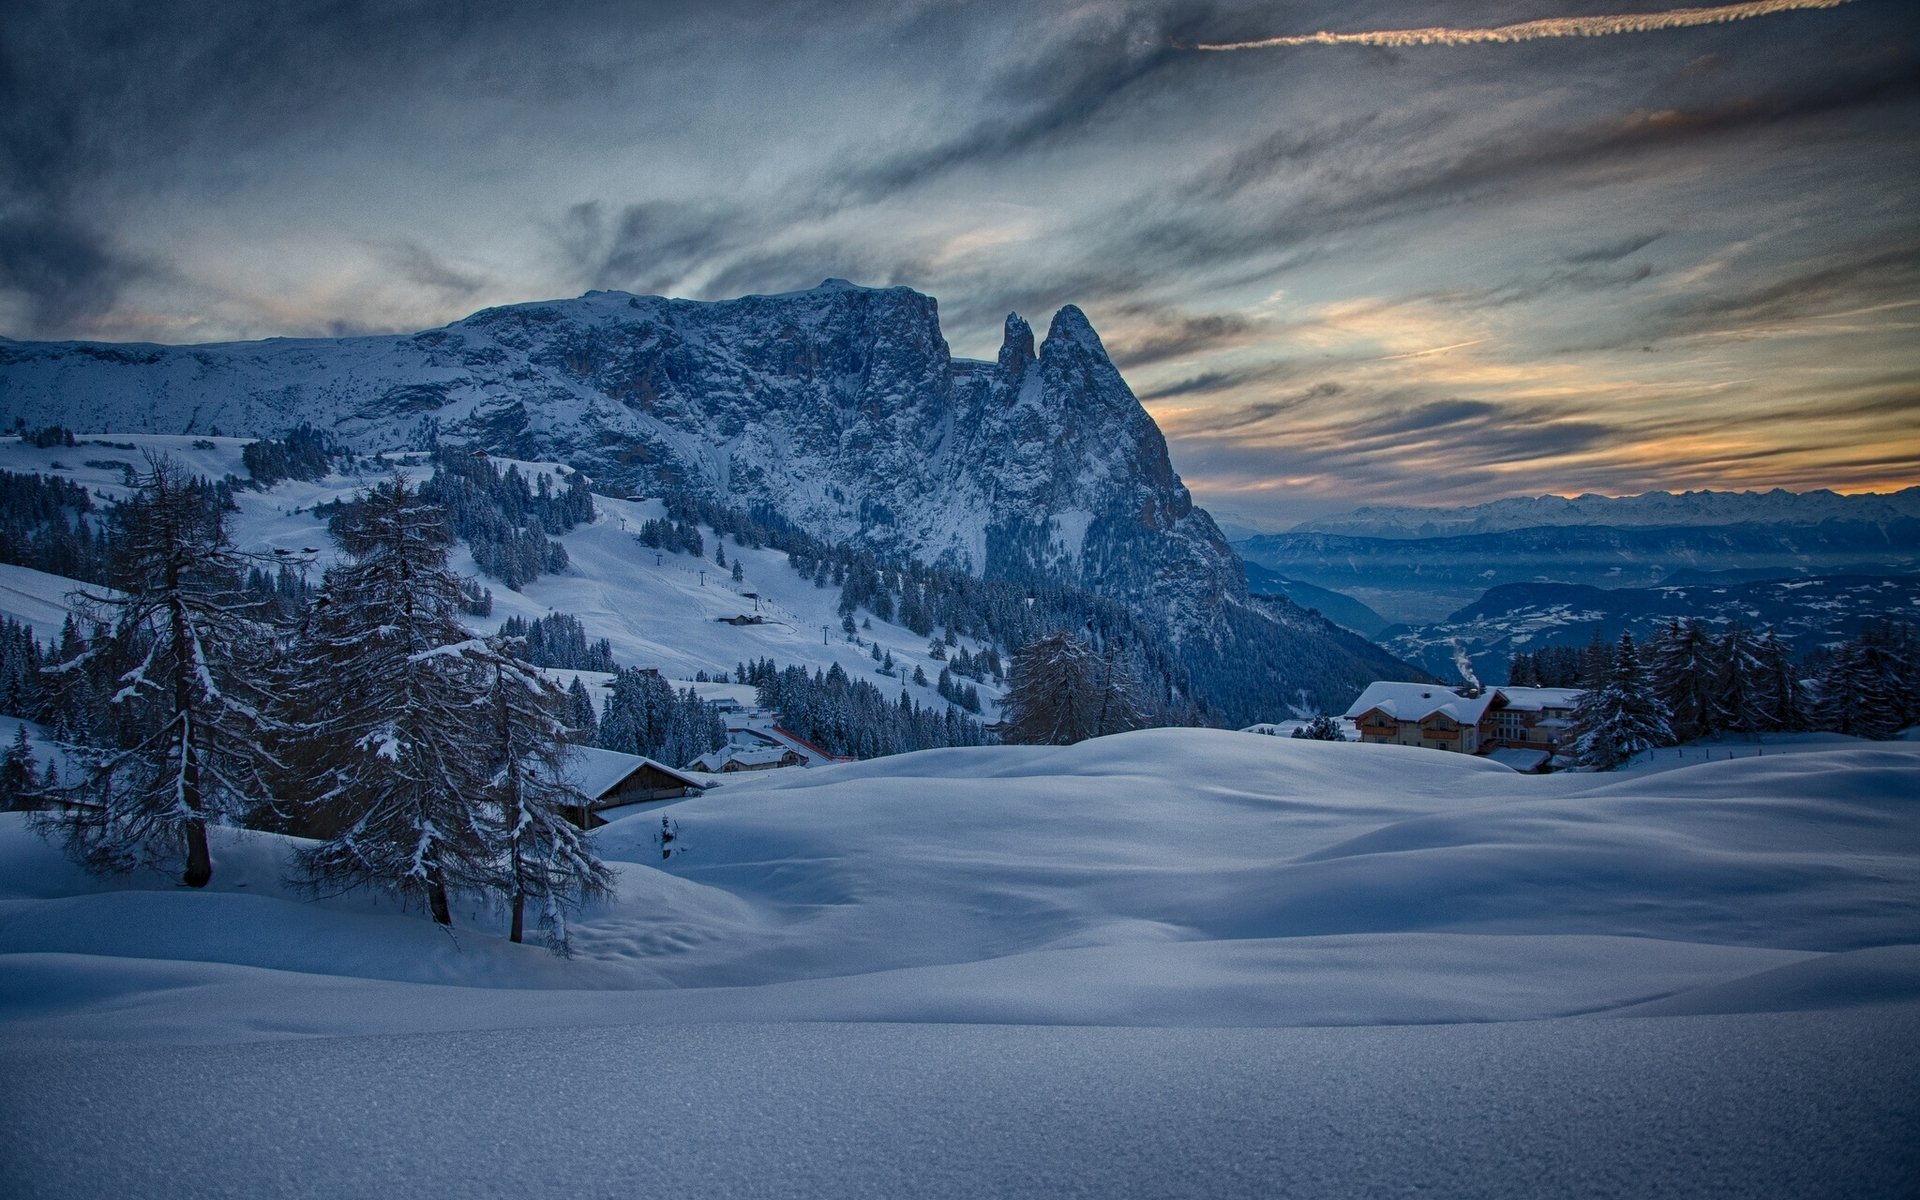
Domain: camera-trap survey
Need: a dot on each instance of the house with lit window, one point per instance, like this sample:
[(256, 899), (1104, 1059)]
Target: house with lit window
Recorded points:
[(1428, 714), (1519, 727)]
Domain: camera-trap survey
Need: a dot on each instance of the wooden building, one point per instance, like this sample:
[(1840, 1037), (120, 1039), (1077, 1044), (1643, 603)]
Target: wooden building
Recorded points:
[(611, 780)]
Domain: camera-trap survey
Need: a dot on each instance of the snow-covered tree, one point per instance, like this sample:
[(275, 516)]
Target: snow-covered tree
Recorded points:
[(16, 772), (545, 858), (1621, 717), (1684, 666), (1062, 691), (1739, 705), (389, 699), (1321, 728), (188, 718), (1858, 694), (1781, 697), (580, 715)]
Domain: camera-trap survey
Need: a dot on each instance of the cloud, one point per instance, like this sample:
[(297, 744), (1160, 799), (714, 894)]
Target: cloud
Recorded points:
[(1529, 31), (1613, 251), (1170, 335), (646, 247), (1210, 382)]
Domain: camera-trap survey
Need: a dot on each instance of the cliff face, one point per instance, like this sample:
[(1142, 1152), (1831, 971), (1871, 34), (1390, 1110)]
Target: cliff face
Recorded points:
[(840, 408)]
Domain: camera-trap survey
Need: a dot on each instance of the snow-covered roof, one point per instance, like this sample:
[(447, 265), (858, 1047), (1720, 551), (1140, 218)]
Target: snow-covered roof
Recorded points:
[(1418, 701), (714, 760), (1520, 760), (597, 772), (1536, 699)]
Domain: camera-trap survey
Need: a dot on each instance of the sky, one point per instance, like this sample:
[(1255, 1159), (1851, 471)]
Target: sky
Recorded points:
[(1663, 252)]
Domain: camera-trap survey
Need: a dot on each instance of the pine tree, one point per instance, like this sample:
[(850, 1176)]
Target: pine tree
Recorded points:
[(1738, 703), (1684, 665), (546, 858), (1781, 700), (1321, 729), (389, 694), (1857, 694), (188, 716), (1062, 691), (16, 772), (580, 715), (1621, 717)]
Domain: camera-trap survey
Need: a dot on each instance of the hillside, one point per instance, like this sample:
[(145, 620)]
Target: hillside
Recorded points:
[(1039, 935), (658, 609)]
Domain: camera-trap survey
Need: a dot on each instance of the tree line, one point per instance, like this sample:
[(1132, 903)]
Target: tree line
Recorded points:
[(419, 759), (851, 717), (1689, 684)]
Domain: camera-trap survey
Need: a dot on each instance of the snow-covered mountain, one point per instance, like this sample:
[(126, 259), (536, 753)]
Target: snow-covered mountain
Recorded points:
[(838, 410), (1776, 507)]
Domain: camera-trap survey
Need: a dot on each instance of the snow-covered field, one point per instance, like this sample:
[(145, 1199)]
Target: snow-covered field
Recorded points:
[(1168, 963)]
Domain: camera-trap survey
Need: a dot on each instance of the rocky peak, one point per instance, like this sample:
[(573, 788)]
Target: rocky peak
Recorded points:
[(1016, 348)]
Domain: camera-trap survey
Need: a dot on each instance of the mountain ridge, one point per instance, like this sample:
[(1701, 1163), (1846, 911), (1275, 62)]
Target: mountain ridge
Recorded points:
[(1648, 509), (839, 410)]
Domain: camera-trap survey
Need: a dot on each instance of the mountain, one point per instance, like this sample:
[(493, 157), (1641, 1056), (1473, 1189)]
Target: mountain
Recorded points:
[(838, 410), (1421, 579), (1776, 507), (1805, 613), (1342, 610)]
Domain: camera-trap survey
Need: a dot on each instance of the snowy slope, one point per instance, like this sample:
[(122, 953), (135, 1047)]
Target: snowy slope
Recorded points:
[(658, 609), (1027, 972), (1169, 877)]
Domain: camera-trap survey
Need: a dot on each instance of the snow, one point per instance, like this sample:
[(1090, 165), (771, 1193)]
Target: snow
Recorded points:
[(1418, 701), (38, 600), (1174, 962), (597, 772), (657, 609)]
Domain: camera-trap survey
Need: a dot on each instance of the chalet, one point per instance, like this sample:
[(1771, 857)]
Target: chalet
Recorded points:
[(1536, 718), (611, 779), (1428, 714), (731, 759)]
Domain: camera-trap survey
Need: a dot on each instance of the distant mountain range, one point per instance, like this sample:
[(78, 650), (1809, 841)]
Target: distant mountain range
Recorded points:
[(838, 411), (1418, 577), (1668, 509), (1805, 613)]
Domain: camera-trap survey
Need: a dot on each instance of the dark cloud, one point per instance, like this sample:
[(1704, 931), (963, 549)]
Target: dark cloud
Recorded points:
[(1176, 335), (1545, 156), (1872, 275), (1208, 382), (420, 265), (1061, 91), (644, 248), (1614, 251), (68, 274)]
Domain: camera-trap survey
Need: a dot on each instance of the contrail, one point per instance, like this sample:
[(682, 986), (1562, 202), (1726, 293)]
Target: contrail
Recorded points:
[(1527, 31)]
